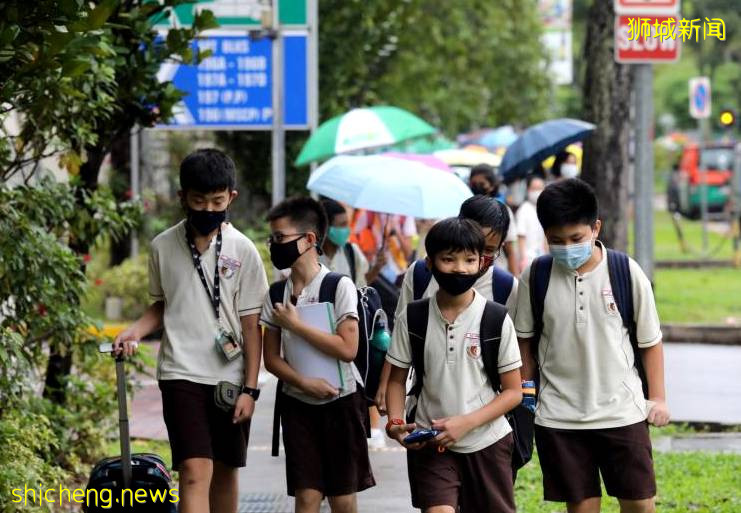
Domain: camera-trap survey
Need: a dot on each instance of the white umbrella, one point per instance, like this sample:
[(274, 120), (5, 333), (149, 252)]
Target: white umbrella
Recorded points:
[(390, 185)]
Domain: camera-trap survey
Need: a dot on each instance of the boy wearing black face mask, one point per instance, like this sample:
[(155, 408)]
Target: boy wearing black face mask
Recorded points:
[(324, 428), (207, 282), (468, 463)]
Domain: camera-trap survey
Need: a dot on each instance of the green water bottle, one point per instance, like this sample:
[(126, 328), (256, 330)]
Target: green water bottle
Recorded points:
[(381, 339)]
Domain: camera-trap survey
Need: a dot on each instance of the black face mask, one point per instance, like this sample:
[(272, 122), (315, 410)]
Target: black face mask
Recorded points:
[(454, 284), (205, 221), (478, 188), (284, 255)]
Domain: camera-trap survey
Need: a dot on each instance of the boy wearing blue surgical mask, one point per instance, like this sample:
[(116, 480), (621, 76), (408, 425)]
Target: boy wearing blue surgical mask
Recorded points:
[(601, 376), (339, 254)]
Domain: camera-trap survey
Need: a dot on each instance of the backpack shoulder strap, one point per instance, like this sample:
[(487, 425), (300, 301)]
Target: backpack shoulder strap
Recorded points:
[(277, 291), (421, 277), (418, 313), (501, 284), (540, 275), (350, 255), (328, 288), (490, 335), (618, 265)]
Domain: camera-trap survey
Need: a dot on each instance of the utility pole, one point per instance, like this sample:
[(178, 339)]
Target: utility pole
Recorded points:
[(279, 134), (644, 169)]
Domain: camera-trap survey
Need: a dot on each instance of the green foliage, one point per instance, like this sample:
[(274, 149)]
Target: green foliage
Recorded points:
[(79, 74), (457, 64), (127, 281), (41, 277), (27, 439), (698, 482)]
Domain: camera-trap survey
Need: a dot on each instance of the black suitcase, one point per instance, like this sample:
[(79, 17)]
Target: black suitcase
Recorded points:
[(114, 482)]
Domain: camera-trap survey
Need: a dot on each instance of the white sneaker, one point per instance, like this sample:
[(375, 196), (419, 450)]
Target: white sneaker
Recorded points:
[(377, 439)]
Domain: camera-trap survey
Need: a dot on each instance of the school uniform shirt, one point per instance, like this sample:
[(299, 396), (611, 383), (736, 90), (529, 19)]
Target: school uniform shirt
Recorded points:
[(588, 379), (339, 264), (529, 227), (484, 285), (188, 350), (345, 307), (455, 381)]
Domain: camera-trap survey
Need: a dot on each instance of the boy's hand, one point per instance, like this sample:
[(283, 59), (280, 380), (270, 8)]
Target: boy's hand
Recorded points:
[(319, 388), (126, 343), (380, 401), (285, 315), (658, 414), (453, 429), (399, 432), (244, 408)]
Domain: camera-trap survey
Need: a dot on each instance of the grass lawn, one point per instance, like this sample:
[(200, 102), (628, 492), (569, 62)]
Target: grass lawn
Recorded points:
[(698, 295), (666, 242), (687, 482)]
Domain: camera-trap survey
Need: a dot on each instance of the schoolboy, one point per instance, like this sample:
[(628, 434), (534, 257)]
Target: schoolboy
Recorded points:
[(468, 465), (493, 220), (324, 428), (207, 284), (591, 416), (339, 254)]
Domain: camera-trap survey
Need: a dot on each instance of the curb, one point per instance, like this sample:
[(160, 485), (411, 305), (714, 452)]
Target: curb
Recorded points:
[(702, 334)]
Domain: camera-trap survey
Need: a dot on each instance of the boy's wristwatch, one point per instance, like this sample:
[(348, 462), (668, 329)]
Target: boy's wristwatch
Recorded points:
[(254, 393), (391, 423)]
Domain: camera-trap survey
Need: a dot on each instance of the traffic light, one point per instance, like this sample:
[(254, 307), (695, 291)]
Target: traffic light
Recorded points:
[(727, 118)]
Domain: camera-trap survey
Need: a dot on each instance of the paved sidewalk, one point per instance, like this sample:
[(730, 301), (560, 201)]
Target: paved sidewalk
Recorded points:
[(704, 383)]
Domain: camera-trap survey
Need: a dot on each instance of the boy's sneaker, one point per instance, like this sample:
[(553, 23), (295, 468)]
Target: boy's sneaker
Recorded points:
[(377, 439)]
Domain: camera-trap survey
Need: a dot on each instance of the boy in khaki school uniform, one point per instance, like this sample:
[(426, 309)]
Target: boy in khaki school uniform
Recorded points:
[(207, 284), (324, 428), (468, 465), (591, 417)]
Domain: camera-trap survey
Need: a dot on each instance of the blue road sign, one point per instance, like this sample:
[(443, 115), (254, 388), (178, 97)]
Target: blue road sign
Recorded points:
[(231, 89), (700, 100)]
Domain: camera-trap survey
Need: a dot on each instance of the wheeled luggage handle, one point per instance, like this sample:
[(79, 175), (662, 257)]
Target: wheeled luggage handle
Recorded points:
[(123, 416)]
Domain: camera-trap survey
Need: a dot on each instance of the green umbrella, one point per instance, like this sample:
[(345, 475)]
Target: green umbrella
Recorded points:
[(361, 129), (425, 145)]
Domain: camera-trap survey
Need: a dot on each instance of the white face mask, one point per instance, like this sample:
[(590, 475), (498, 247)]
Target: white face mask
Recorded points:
[(532, 196), (569, 170)]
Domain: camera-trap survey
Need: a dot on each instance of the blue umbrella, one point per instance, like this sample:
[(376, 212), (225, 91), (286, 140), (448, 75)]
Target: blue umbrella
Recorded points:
[(500, 137), (540, 142), (390, 185)]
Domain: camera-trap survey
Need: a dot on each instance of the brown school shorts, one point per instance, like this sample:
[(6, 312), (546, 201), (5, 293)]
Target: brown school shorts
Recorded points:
[(572, 461), (326, 445), (478, 481), (198, 429)]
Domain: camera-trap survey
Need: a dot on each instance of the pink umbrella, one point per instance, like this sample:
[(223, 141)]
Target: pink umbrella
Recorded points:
[(427, 160)]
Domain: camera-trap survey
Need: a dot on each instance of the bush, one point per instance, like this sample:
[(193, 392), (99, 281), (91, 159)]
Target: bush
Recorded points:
[(129, 282)]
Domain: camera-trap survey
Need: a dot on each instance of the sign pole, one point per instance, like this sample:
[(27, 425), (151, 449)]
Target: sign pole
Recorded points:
[(703, 125), (279, 134), (644, 169)]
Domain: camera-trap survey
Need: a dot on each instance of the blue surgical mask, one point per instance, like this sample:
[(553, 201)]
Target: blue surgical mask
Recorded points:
[(572, 256), (338, 235)]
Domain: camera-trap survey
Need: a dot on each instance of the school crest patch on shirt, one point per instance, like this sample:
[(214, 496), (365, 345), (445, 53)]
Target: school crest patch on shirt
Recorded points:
[(473, 346), (609, 301), (228, 266)]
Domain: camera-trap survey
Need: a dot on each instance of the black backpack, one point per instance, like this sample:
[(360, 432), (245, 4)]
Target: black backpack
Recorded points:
[(490, 334), (618, 265), (501, 282), (369, 359)]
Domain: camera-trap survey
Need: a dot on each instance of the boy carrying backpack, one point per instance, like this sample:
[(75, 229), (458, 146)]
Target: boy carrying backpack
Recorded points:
[(324, 427), (462, 348), (587, 321)]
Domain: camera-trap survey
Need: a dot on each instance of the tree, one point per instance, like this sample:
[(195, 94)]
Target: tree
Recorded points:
[(458, 64), (607, 88)]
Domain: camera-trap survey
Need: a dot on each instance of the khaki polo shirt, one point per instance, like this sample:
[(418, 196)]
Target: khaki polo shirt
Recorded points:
[(339, 264), (188, 350), (455, 381), (587, 375), (483, 285), (345, 307)]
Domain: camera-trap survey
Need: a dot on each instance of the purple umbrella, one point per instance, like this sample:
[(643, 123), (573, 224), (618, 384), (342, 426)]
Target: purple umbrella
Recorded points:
[(427, 160)]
